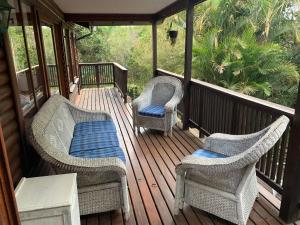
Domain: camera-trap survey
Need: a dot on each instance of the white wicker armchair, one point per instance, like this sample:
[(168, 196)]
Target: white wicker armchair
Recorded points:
[(165, 91), (102, 182), (226, 187)]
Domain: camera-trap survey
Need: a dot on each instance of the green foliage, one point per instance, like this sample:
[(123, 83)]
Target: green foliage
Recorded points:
[(18, 47), (237, 48)]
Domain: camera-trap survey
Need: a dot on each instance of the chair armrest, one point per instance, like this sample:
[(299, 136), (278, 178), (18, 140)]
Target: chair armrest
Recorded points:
[(90, 165), (230, 145), (81, 115), (141, 102), (207, 165), (172, 103)]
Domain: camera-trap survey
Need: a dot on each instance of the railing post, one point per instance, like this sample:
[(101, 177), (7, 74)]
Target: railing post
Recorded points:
[(97, 75), (114, 74), (188, 63), (154, 48), (125, 77), (291, 182), (80, 77)]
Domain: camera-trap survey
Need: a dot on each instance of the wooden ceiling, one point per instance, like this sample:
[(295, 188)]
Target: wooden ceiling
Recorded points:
[(120, 12)]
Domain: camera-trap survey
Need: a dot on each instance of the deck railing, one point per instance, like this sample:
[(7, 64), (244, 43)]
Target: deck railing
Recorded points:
[(52, 73), (103, 74), (215, 109)]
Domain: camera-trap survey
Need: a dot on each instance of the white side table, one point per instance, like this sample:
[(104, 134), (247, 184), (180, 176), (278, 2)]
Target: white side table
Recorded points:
[(48, 200)]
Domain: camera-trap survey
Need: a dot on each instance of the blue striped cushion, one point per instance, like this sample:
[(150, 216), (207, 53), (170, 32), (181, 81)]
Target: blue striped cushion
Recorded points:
[(153, 110), (101, 153), (96, 139), (207, 154), (91, 127)]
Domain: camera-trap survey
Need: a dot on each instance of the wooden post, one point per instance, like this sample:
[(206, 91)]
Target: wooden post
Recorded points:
[(61, 60), (291, 182), (154, 47), (188, 63)]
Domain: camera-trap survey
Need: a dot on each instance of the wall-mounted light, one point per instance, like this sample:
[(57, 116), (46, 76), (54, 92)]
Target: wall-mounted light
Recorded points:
[(5, 10)]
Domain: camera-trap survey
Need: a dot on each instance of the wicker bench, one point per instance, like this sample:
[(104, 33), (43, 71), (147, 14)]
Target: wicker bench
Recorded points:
[(84, 142)]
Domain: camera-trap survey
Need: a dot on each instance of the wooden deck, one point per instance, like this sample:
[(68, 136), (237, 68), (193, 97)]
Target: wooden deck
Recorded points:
[(151, 160)]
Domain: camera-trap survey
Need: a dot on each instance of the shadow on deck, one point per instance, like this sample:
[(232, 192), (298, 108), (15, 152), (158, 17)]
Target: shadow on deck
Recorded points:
[(151, 160)]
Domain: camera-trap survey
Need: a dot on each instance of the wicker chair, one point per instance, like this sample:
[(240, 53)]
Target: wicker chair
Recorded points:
[(102, 182), (165, 92), (226, 187)]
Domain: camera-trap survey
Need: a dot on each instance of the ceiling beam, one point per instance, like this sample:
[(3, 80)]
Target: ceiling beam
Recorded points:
[(174, 8)]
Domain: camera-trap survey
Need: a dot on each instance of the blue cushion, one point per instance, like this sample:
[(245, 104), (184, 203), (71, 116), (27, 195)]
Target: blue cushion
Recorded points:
[(153, 110), (207, 154), (91, 127), (101, 153), (96, 139)]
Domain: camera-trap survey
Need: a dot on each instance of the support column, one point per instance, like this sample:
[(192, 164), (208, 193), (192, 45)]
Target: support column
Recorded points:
[(188, 63), (289, 210), (154, 48), (61, 60)]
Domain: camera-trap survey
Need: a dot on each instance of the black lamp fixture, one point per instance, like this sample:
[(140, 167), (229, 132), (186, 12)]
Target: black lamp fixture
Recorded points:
[(5, 10)]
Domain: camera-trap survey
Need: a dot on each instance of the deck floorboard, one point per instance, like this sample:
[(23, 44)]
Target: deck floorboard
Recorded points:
[(151, 160)]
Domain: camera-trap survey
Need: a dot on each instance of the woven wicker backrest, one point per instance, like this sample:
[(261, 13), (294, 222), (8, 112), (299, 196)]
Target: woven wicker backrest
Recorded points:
[(266, 139), (162, 93), (53, 126), (164, 88)]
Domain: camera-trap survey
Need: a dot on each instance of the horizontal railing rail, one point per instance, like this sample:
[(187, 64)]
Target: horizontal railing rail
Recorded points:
[(218, 110), (104, 74)]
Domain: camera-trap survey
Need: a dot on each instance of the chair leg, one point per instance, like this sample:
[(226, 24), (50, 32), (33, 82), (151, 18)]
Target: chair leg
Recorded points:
[(166, 133), (126, 207), (171, 132), (179, 195)]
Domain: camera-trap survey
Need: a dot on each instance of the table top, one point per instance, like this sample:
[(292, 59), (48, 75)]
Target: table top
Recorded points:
[(45, 192)]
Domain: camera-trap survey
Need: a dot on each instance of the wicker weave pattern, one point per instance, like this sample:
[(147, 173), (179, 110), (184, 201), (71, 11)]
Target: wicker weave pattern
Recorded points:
[(162, 90), (228, 182), (52, 139)]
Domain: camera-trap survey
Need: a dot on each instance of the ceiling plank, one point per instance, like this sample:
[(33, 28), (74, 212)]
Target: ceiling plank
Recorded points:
[(76, 17)]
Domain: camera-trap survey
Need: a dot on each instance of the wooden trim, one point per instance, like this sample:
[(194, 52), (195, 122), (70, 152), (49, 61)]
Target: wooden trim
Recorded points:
[(27, 55), (61, 60), (46, 75), (55, 55), (41, 53), (154, 48), (10, 212), (68, 51), (73, 51), (49, 10), (188, 63), (291, 183)]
